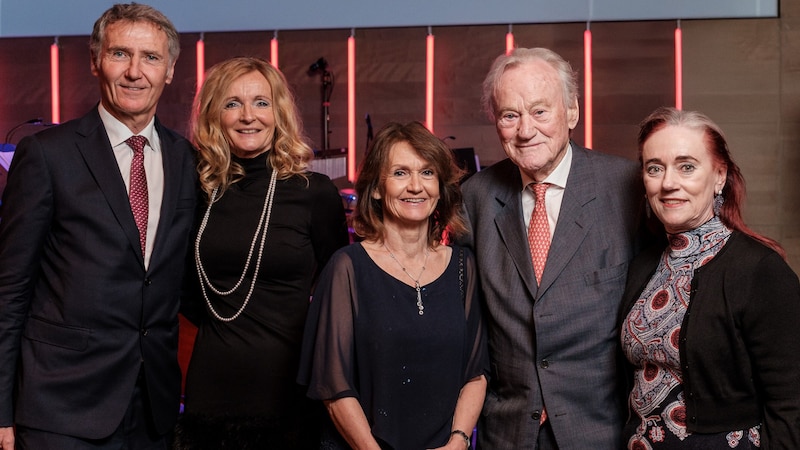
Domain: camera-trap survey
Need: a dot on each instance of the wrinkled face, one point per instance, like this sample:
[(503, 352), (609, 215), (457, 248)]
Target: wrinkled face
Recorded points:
[(133, 69), (248, 118), (531, 119), (411, 188), (680, 177)]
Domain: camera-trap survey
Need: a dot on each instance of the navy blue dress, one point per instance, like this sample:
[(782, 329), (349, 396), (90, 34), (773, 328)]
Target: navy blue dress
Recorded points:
[(366, 339)]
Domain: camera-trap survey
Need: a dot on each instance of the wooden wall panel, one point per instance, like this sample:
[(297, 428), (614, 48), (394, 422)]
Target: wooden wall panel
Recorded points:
[(463, 55), (634, 73), (733, 72), (745, 74), (24, 91), (79, 88), (390, 79)]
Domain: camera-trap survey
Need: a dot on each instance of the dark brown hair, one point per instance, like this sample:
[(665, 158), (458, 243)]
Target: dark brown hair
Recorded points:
[(368, 214)]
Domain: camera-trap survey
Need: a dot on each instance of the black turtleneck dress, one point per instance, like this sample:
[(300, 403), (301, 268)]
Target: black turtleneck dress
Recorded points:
[(240, 386)]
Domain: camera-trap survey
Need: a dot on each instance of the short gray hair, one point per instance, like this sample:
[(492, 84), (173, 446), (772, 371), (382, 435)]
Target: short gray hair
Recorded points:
[(519, 56), (133, 12)]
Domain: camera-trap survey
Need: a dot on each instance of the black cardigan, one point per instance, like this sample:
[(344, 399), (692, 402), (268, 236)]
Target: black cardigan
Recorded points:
[(739, 341)]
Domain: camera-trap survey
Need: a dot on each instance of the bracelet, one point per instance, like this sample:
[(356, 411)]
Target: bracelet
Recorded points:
[(463, 435)]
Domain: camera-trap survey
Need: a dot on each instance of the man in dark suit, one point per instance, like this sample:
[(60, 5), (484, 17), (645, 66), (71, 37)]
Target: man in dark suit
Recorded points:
[(88, 299), (552, 334)]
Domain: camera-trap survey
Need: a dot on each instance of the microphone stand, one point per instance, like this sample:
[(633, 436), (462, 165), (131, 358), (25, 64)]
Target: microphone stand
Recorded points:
[(327, 90), (320, 66), (14, 129)]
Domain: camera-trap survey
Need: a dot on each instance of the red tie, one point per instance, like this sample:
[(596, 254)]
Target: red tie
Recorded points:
[(539, 231), (138, 193), (539, 243)]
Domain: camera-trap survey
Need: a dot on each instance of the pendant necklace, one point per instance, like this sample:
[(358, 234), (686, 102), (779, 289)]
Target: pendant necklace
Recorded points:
[(420, 307), (261, 229)]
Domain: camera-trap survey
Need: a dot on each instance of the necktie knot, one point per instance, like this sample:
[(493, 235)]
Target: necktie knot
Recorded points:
[(136, 143), (539, 190)]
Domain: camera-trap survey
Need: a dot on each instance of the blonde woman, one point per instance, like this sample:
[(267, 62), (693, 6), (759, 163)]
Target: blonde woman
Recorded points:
[(266, 228)]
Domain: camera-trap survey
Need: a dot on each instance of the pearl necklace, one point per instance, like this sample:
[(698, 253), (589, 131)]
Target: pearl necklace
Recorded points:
[(420, 307), (266, 212)]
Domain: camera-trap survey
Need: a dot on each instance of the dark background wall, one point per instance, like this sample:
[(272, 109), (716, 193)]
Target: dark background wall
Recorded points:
[(744, 73)]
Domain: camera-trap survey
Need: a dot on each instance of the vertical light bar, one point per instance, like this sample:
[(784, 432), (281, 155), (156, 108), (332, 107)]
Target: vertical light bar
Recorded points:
[(509, 40), (429, 82), (587, 88), (351, 105), (678, 66), (201, 61), (273, 50), (55, 87)]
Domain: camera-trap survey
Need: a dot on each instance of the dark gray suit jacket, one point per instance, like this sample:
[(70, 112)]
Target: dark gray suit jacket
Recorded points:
[(79, 314), (555, 343)]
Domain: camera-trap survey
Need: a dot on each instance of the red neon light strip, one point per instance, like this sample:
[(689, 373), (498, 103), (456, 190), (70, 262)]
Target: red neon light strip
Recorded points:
[(351, 107), (587, 67), (429, 82), (678, 67), (201, 62), (273, 51), (55, 89), (509, 42)]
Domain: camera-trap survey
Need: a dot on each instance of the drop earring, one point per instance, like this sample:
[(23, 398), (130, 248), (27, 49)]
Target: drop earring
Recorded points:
[(718, 201)]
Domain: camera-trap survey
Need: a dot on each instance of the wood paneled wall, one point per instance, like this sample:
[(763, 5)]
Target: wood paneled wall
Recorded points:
[(745, 74)]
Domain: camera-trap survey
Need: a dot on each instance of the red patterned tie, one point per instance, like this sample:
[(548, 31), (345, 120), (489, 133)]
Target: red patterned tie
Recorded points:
[(539, 243), (539, 231), (138, 193)]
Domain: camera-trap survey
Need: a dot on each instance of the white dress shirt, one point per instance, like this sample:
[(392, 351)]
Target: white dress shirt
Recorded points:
[(118, 133), (554, 195)]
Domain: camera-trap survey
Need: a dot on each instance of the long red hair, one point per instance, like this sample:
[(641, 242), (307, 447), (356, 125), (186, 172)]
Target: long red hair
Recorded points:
[(734, 191)]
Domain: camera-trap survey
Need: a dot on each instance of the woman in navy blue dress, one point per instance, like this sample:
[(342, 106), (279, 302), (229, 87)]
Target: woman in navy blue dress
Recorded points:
[(395, 344)]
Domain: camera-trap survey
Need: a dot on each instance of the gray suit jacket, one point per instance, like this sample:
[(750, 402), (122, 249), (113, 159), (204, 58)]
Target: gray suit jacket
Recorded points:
[(78, 310), (555, 344)]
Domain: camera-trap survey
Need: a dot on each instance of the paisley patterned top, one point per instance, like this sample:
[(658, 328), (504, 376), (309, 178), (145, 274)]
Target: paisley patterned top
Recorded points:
[(650, 340)]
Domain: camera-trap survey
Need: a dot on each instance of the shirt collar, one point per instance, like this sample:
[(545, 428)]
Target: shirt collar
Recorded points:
[(559, 175), (118, 132)]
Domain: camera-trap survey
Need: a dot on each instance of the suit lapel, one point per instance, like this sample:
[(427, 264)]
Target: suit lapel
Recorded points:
[(94, 146), (512, 229), (171, 160), (573, 222)]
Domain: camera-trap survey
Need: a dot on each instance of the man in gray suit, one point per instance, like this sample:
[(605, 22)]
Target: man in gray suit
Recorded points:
[(554, 380)]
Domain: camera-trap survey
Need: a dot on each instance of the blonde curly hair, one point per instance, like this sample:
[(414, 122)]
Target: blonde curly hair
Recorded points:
[(290, 154)]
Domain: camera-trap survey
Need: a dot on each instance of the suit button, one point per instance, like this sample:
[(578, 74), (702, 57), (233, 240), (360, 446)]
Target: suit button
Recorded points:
[(544, 364), (536, 415), (144, 331), (148, 281)]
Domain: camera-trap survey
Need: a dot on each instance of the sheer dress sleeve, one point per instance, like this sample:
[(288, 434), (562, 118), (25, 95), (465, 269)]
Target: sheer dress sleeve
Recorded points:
[(478, 356), (328, 359)]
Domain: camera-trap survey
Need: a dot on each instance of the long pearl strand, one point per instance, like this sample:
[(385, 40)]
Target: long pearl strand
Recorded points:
[(266, 212)]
